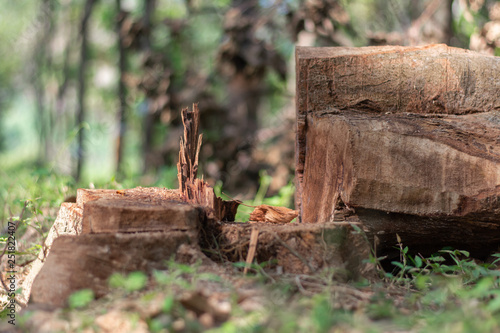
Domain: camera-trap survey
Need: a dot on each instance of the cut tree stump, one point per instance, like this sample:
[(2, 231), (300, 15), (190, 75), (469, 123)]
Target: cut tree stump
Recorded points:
[(405, 140), (87, 261), (136, 210), (128, 215), (68, 222), (111, 213), (140, 229), (296, 248)]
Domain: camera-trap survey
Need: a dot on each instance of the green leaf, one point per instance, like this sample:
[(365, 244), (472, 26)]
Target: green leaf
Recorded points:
[(80, 298), (494, 304), (136, 281), (465, 253), (437, 259), (161, 277), (168, 304), (418, 262), (398, 264), (116, 280)]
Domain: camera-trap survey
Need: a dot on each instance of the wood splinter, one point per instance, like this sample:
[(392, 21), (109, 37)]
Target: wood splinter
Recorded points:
[(194, 190), (252, 248)]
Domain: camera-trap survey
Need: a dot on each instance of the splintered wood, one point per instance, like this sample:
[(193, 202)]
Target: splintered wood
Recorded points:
[(190, 144), (252, 247), (194, 190)]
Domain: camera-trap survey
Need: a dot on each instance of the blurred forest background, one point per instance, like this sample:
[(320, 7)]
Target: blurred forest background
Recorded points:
[(93, 89)]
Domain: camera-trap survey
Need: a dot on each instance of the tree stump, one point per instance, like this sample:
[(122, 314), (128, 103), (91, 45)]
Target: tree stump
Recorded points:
[(87, 261), (404, 140), (108, 231)]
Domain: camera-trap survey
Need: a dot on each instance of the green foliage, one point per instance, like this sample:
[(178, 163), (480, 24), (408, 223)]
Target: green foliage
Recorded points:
[(416, 269), (81, 298), (132, 282), (39, 189), (185, 276)]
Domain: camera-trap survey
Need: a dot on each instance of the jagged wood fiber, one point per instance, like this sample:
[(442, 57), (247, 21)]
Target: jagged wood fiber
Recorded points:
[(194, 190)]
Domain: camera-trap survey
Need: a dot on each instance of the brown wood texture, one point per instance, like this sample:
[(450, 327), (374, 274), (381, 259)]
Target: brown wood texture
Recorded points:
[(131, 215), (412, 132), (87, 261), (194, 190), (296, 248), (136, 210), (68, 222), (154, 195)]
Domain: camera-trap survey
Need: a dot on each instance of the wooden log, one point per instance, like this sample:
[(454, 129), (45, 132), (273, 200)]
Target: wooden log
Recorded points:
[(412, 133), (435, 79), (447, 166)]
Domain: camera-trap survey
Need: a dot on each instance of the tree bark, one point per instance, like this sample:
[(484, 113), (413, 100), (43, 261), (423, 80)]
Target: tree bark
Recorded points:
[(405, 140)]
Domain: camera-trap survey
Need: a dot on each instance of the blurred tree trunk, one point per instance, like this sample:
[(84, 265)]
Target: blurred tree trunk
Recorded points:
[(149, 118), (42, 63), (244, 60), (60, 101), (434, 25), (122, 106), (80, 114)]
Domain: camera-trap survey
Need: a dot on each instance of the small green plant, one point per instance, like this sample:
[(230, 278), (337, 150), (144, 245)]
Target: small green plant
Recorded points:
[(132, 282), (81, 298)]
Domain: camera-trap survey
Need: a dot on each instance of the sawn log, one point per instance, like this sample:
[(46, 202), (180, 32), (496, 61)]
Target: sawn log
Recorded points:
[(405, 140)]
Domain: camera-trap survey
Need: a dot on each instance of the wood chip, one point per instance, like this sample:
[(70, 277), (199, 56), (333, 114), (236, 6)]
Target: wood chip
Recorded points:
[(254, 236), (273, 214)]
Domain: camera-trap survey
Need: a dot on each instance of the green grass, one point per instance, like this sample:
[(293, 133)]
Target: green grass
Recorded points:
[(39, 189), (436, 303)]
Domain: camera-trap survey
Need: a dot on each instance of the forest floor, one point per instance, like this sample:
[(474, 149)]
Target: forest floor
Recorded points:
[(448, 292)]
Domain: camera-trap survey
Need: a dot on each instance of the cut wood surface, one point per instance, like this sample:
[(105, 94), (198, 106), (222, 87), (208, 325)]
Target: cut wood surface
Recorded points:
[(129, 215), (154, 195), (409, 132), (430, 166), (136, 210)]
